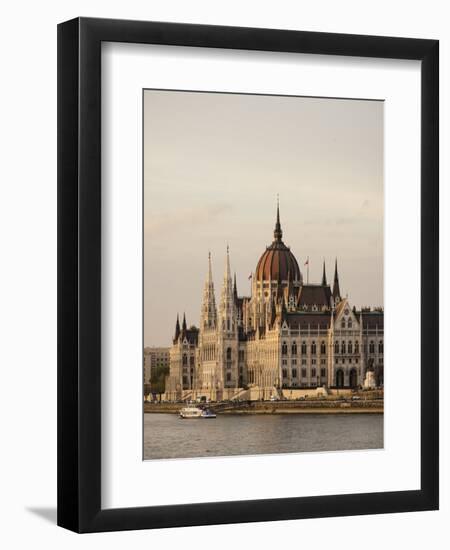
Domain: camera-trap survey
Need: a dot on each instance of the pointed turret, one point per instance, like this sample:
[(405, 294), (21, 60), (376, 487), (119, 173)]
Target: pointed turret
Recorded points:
[(227, 303), (336, 290), (177, 329), (184, 327), (209, 311), (235, 293), (324, 275), (278, 233), (227, 274)]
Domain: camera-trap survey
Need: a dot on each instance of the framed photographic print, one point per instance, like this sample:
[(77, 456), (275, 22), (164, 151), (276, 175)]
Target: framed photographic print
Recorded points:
[(248, 275)]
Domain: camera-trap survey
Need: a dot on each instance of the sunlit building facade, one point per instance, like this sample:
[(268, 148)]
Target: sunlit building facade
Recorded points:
[(287, 335)]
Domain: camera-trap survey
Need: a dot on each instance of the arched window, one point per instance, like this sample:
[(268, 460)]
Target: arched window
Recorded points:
[(294, 373), (228, 354), (294, 348), (313, 373), (284, 349), (371, 347), (350, 347), (356, 347), (323, 348), (336, 348), (349, 324), (303, 348), (380, 346), (343, 323), (185, 360), (342, 347), (313, 348)]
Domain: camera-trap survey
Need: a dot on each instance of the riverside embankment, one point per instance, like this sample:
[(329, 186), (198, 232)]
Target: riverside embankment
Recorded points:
[(311, 406)]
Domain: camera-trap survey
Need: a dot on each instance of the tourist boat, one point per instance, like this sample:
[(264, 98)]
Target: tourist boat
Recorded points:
[(191, 412), (208, 413)]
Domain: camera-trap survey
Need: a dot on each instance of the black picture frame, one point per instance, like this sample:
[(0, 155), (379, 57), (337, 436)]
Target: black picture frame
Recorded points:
[(79, 274)]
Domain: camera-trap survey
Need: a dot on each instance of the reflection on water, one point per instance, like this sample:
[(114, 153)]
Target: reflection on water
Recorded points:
[(168, 436)]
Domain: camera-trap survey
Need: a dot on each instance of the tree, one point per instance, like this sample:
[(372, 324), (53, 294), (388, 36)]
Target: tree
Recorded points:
[(158, 378)]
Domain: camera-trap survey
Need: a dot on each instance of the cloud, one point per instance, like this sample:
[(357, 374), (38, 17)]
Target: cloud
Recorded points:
[(196, 216)]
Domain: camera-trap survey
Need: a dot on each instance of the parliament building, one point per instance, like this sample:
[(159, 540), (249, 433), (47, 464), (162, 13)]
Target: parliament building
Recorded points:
[(286, 336)]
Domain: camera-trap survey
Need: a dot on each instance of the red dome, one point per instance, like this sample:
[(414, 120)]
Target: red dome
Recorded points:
[(277, 262)]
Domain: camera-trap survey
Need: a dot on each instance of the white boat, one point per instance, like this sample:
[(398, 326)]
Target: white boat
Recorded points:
[(191, 412), (208, 413)]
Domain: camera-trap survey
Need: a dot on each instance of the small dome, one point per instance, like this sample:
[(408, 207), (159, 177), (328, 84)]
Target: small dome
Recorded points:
[(278, 262)]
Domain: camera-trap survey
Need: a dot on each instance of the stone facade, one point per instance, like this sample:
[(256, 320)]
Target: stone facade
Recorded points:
[(154, 357), (287, 334)]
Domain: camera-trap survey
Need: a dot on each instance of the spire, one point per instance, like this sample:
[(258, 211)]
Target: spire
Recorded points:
[(209, 312), (336, 291), (227, 274), (184, 322), (177, 328), (324, 275), (227, 309), (278, 233), (235, 294), (209, 281)]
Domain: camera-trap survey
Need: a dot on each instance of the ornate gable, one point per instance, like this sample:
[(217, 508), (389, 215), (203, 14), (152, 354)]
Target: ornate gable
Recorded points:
[(345, 317)]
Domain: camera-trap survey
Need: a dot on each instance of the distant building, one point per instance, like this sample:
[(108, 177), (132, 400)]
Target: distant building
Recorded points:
[(287, 335), (154, 357)]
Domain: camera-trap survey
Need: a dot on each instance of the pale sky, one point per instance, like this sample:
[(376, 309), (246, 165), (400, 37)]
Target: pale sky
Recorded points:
[(213, 165)]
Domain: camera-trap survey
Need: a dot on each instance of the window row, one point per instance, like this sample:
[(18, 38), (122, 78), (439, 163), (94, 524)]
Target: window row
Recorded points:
[(303, 361), (346, 347), (314, 373), (303, 348)]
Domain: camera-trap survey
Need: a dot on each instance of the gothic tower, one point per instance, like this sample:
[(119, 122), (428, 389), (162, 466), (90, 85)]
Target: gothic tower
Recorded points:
[(208, 335), (228, 332), (208, 316)]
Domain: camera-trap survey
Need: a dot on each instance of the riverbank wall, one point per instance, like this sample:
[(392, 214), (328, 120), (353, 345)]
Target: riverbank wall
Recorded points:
[(280, 407)]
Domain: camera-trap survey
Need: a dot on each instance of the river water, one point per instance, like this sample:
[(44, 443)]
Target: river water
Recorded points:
[(168, 436)]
